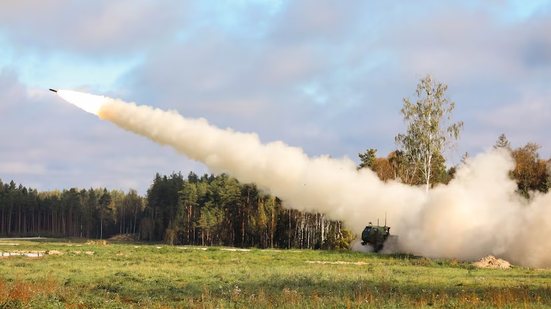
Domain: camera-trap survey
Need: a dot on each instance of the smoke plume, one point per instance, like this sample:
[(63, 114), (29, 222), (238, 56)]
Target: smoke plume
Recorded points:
[(476, 215)]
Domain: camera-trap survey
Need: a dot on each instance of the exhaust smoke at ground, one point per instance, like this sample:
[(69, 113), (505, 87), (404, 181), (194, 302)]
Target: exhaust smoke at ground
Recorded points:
[(476, 215)]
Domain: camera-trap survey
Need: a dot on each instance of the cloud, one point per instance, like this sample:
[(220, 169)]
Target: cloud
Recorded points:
[(514, 116), (495, 67), (12, 92), (312, 20), (314, 66), (24, 168), (252, 85), (457, 44), (326, 76), (98, 27), (523, 120)]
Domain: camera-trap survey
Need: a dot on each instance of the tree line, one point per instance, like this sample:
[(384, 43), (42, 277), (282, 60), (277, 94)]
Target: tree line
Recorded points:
[(206, 210), (92, 213), (531, 173)]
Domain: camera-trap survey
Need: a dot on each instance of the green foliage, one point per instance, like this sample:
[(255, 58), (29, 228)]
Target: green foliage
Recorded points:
[(162, 202), (531, 173), (367, 159), (338, 238), (218, 210)]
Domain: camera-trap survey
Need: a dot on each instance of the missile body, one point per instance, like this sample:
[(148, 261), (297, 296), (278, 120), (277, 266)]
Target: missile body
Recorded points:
[(53, 90)]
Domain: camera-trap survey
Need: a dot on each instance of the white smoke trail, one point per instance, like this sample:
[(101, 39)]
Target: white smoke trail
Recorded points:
[(477, 214)]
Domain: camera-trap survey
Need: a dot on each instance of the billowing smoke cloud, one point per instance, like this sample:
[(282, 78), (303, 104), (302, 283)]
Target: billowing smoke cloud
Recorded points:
[(477, 214)]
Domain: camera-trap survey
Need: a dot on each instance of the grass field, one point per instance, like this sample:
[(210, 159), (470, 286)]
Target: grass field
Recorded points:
[(77, 274)]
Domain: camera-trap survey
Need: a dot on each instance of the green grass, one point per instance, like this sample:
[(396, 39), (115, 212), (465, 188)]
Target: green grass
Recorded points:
[(156, 276)]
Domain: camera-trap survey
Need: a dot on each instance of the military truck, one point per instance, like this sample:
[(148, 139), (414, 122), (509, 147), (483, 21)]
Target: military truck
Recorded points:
[(375, 236)]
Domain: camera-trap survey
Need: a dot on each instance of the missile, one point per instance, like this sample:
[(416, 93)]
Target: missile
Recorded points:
[(53, 90)]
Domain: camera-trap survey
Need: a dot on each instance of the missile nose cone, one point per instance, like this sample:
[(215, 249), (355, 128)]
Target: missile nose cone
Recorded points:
[(53, 90)]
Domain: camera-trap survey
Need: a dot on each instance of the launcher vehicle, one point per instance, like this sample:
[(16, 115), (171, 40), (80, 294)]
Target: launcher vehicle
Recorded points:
[(375, 236)]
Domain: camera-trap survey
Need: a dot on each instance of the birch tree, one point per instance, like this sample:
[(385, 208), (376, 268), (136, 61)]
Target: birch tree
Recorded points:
[(430, 130)]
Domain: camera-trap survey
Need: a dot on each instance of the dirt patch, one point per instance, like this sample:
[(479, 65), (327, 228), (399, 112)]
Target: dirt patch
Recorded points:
[(235, 249), (492, 262), (337, 262), (78, 252), (124, 237), (38, 254), (31, 254), (193, 248), (101, 242)]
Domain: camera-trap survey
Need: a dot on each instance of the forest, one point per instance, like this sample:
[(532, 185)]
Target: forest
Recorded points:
[(206, 210)]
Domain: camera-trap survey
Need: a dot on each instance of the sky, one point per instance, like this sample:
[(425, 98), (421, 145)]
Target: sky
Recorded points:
[(326, 76)]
